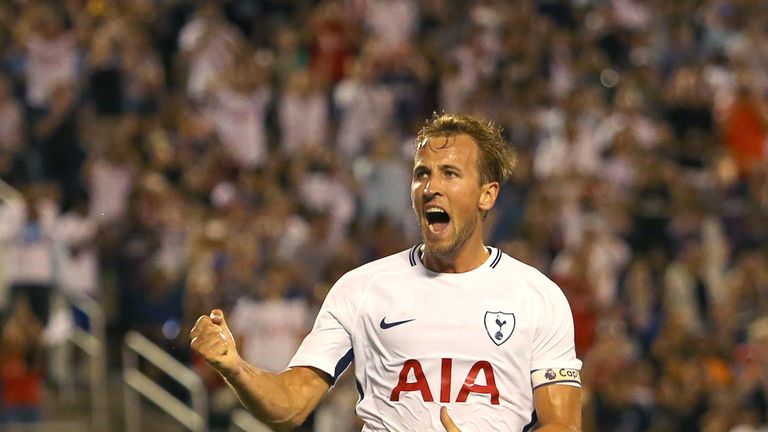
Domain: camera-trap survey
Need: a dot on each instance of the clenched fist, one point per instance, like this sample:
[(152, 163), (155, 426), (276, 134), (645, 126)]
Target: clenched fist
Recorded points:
[(212, 339)]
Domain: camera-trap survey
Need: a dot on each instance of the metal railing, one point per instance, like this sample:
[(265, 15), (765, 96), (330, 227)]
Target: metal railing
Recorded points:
[(243, 421), (93, 344), (194, 416)]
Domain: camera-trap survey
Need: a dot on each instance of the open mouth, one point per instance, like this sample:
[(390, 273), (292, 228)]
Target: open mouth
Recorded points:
[(437, 219)]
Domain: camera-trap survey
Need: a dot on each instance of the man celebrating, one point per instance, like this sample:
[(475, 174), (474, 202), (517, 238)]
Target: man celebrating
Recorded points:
[(450, 325)]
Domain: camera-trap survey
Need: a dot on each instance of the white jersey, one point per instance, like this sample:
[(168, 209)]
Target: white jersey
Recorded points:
[(477, 342)]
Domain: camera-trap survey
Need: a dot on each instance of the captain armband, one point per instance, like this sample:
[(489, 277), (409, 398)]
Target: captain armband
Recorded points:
[(542, 377)]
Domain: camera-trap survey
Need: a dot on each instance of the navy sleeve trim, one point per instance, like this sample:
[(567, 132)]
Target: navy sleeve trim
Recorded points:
[(360, 391), (342, 365), (534, 420)]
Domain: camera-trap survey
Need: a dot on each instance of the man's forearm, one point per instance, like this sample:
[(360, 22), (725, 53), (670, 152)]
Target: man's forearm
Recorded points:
[(281, 400), (558, 428), (267, 396)]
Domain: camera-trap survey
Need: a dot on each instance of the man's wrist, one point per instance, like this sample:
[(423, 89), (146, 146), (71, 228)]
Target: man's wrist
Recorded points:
[(234, 373)]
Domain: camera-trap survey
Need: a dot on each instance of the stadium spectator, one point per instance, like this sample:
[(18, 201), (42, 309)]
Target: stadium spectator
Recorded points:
[(21, 366)]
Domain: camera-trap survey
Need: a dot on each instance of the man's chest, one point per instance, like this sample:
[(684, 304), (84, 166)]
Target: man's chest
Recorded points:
[(446, 342), (432, 318)]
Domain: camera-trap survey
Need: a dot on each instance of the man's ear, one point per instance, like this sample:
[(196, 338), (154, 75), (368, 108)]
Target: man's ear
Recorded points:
[(488, 194)]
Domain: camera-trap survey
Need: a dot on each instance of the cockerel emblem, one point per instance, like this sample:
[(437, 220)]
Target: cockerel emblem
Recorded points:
[(499, 326)]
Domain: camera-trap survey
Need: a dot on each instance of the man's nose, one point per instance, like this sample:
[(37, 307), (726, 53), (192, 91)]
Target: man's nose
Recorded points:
[(431, 188)]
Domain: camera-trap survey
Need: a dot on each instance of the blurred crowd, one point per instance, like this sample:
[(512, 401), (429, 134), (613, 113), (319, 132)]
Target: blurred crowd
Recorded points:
[(168, 157)]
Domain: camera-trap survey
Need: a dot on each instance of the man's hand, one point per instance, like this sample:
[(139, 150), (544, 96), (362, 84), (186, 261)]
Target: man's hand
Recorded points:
[(445, 419), (212, 339)]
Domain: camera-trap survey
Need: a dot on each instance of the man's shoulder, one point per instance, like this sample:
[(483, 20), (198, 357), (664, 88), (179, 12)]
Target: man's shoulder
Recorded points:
[(533, 278), (510, 265), (354, 281), (399, 261)]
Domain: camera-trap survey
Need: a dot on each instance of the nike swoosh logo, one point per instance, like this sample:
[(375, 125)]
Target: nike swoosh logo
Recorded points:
[(385, 325)]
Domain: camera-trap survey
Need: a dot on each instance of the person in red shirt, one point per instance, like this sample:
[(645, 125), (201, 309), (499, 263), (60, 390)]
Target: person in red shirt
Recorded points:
[(331, 44), (745, 130), (21, 377)]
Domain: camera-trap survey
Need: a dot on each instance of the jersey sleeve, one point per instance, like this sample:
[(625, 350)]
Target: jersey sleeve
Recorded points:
[(328, 346), (553, 358)]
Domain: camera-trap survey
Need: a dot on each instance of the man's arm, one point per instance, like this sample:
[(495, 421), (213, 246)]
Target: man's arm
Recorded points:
[(283, 400), (558, 407)]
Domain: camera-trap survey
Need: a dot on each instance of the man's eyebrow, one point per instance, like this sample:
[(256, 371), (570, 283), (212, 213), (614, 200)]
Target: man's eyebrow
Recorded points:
[(442, 167), (446, 167)]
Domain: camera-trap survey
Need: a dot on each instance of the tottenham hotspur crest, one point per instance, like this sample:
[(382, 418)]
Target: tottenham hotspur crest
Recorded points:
[(499, 326)]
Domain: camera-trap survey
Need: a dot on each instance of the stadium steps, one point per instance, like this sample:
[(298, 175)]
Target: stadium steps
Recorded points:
[(71, 412)]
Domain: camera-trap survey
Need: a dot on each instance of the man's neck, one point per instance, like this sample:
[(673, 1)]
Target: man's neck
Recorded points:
[(467, 258)]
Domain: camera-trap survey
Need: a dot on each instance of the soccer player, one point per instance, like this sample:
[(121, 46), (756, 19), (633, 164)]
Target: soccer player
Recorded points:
[(450, 325)]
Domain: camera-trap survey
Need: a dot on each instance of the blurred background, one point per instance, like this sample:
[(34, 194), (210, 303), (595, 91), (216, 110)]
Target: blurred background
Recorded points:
[(163, 157)]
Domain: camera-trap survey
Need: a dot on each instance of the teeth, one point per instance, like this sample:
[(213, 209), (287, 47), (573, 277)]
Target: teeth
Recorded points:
[(435, 210)]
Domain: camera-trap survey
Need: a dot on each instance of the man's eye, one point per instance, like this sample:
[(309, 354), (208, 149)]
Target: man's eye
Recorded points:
[(451, 174)]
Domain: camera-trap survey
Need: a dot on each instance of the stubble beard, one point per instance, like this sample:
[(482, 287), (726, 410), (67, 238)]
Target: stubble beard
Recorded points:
[(453, 245)]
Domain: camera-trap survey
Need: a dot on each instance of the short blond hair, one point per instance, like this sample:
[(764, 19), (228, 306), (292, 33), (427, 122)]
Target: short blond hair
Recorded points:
[(497, 158)]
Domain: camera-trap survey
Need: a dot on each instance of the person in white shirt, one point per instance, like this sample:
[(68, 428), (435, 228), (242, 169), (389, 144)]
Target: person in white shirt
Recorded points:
[(365, 109), (448, 324), (77, 260), (304, 102), (30, 249), (238, 107), (12, 215), (270, 325), (392, 23), (51, 54), (208, 44)]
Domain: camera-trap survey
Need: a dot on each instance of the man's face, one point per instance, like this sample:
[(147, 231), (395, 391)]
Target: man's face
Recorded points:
[(446, 192)]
